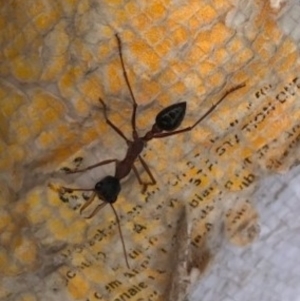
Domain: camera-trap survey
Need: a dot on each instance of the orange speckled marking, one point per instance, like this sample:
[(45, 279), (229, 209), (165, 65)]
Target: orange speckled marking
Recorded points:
[(156, 10), (79, 287), (54, 69)]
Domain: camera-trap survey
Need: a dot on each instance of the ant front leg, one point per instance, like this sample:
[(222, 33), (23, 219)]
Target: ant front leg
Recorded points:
[(91, 166), (147, 169)]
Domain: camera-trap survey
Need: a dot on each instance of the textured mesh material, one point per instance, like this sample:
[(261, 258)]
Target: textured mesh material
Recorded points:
[(57, 59)]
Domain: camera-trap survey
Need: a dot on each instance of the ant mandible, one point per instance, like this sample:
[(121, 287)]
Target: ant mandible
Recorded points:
[(166, 122)]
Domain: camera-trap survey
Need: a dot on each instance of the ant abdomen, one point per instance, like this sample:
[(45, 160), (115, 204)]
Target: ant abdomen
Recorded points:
[(171, 117), (108, 189)]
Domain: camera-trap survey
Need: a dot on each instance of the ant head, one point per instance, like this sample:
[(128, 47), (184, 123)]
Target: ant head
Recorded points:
[(108, 189), (171, 117)]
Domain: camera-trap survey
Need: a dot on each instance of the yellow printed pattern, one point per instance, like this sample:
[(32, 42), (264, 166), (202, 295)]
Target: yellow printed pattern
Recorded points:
[(57, 60)]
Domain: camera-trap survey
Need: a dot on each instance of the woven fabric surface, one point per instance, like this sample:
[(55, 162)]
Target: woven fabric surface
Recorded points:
[(58, 59)]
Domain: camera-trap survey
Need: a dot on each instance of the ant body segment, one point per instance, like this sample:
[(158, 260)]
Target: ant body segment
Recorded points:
[(166, 124)]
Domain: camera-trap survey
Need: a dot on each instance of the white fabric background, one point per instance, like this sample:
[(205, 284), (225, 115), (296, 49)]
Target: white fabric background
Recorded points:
[(268, 270)]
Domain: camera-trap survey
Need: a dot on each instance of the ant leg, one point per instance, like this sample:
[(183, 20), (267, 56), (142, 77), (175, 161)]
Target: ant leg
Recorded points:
[(91, 166), (137, 175), (110, 123), (141, 182), (133, 116), (67, 189), (144, 184), (189, 128), (147, 169)]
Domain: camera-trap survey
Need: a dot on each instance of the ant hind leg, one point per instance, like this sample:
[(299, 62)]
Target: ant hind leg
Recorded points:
[(117, 130), (134, 103)]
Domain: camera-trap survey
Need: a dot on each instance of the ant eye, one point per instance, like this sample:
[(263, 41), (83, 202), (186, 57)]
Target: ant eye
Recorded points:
[(99, 185), (108, 189), (171, 117)]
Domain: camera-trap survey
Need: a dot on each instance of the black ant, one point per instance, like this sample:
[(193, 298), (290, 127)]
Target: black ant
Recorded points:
[(166, 122)]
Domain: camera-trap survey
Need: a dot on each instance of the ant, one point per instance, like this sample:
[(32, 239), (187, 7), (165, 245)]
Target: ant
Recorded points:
[(166, 123)]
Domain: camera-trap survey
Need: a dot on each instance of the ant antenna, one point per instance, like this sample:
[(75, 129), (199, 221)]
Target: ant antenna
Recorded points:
[(121, 235), (63, 189), (98, 208)]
